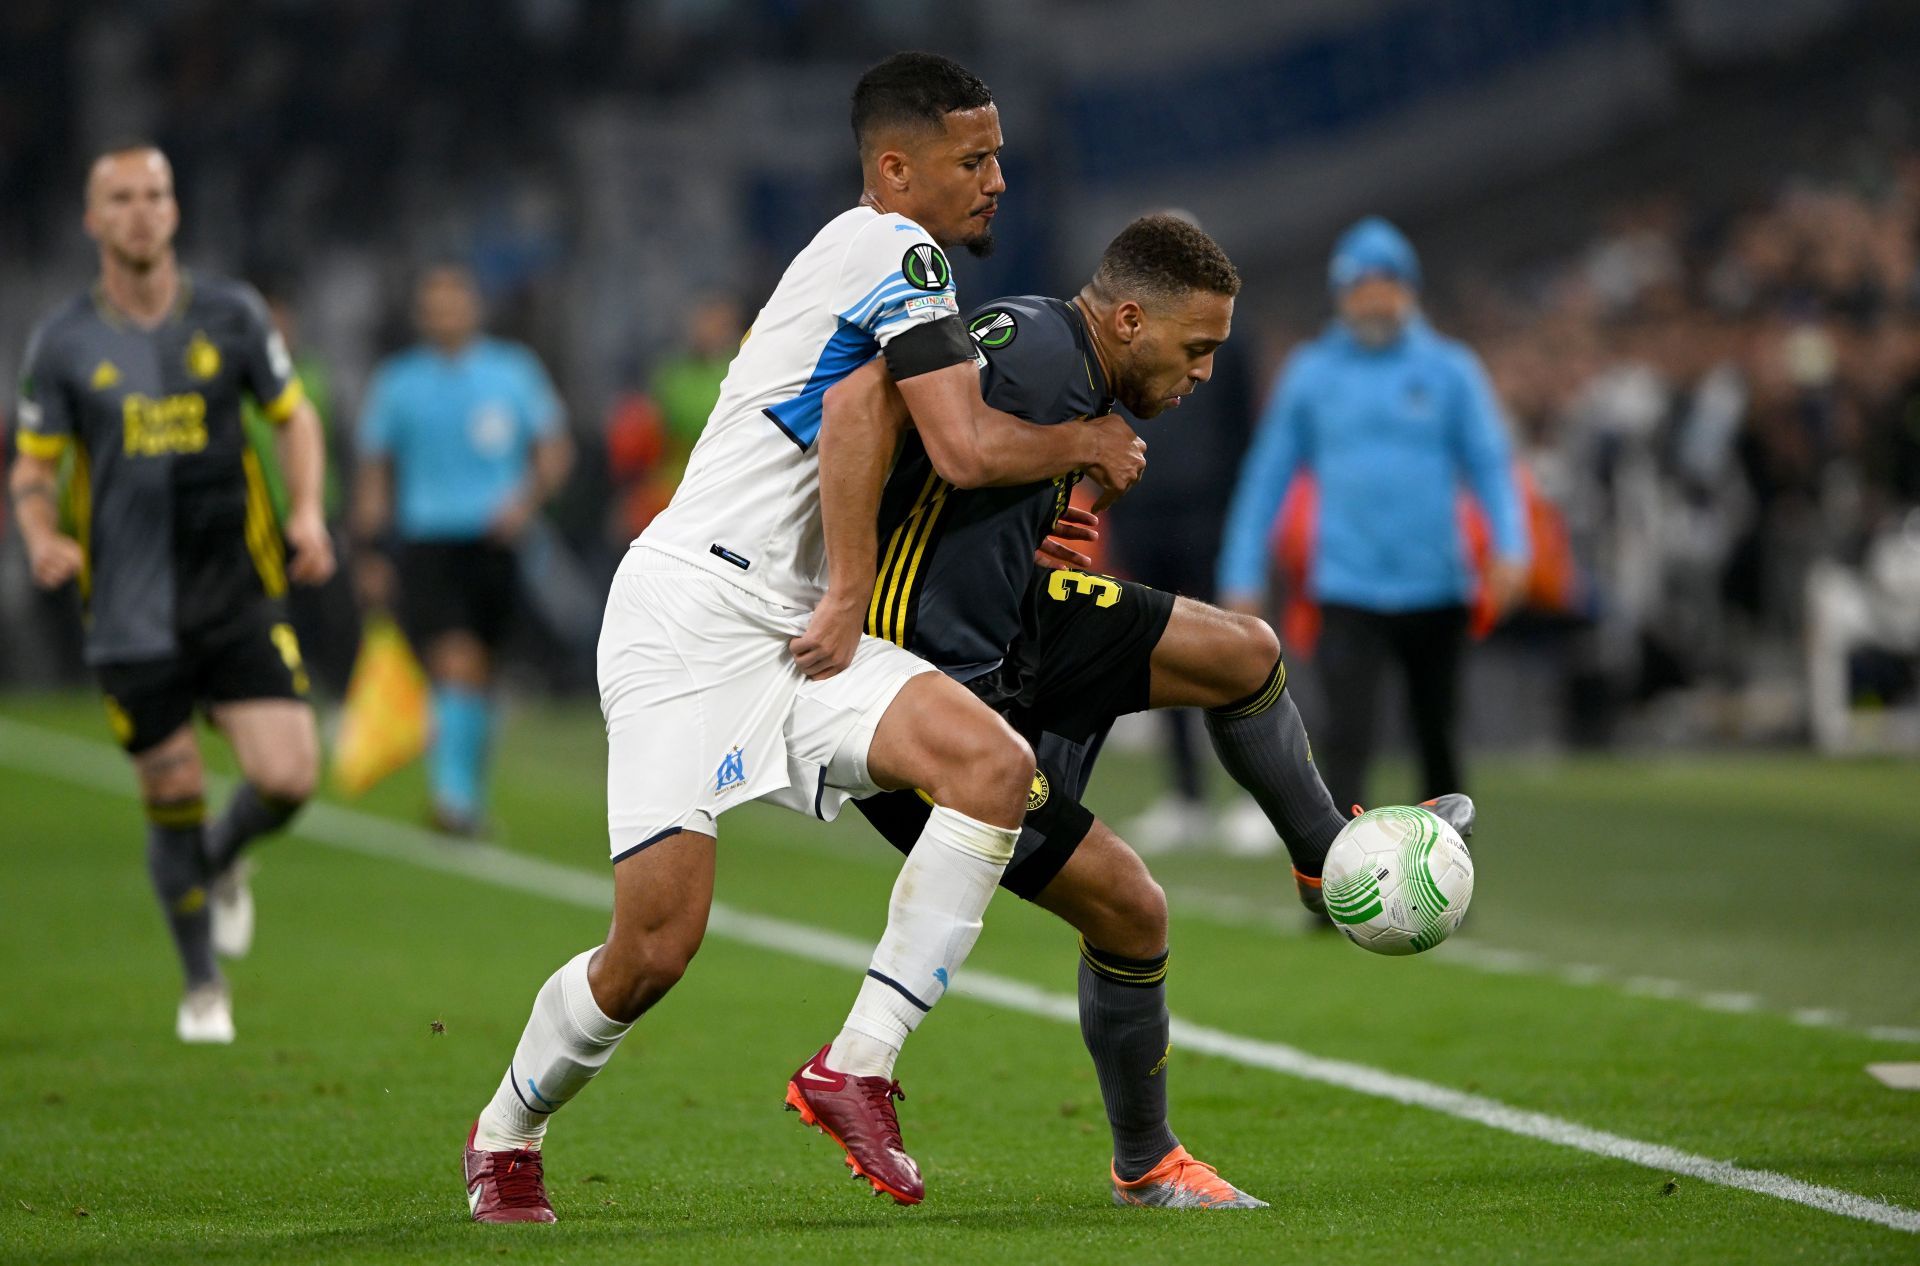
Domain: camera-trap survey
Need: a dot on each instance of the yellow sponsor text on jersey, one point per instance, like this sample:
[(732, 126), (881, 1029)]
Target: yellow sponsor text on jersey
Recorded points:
[(171, 424), (106, 374), (203, 358)]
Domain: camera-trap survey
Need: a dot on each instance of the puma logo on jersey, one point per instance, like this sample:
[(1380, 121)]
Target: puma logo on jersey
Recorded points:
[(105, 375)]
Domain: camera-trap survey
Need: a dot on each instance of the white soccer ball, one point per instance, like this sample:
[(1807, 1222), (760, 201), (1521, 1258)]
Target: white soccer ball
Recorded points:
[(1397, 880)]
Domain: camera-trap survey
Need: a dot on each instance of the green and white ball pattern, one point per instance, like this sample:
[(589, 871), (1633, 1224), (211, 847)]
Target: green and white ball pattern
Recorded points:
[(1397, 880)]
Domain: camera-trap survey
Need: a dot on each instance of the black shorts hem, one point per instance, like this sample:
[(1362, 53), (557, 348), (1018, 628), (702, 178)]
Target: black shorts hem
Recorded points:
[(256, 657), (646, 844)]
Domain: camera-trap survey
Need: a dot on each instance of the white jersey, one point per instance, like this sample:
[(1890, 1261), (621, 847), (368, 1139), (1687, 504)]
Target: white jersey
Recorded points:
[(749, 507)]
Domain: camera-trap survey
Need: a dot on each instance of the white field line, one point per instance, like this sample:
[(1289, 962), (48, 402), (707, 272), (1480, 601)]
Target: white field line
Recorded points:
[(79, 762), (1237, 911), (1284, 919)]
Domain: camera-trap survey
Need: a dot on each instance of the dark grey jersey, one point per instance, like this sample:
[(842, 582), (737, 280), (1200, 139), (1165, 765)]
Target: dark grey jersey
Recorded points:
[(163, 492), (954, 562)]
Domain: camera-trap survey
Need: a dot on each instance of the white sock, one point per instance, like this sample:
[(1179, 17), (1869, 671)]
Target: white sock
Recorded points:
[(932, 923), (567, 1040)]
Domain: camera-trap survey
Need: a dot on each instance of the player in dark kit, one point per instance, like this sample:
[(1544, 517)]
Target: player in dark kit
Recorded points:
[(135, 388), (1062, 653)]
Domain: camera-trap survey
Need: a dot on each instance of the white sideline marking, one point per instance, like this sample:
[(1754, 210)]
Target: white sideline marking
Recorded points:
[(84, 763), (1233, 910), (1896, 1076), (1475, 955)]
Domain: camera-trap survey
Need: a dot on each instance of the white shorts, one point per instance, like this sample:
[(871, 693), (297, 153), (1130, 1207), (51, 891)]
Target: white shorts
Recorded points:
[(706, 709)]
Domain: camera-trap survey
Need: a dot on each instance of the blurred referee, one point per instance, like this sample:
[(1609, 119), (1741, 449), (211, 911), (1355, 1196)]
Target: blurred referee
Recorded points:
[(461, 442), (1392, 420), (131, 397)]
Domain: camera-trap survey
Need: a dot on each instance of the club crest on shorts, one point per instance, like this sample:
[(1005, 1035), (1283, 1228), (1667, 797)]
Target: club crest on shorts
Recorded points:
[(925, 268), (732, 771), (1037, 793)]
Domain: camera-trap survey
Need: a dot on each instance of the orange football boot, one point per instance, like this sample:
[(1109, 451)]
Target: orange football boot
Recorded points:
[(1181, 1182)]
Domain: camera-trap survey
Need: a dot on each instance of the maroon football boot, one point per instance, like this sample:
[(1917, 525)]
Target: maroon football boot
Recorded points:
[(857, 1113), (505, 1186)]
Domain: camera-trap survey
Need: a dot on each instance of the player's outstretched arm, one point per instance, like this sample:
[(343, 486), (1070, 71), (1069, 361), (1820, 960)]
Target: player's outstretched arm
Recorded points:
[(55, 558), (973, 445), (303, 455)]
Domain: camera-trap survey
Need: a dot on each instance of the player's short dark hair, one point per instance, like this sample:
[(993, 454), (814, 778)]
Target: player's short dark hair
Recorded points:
[(125, 145), (913, 90), (122, 145), (1163, 257)]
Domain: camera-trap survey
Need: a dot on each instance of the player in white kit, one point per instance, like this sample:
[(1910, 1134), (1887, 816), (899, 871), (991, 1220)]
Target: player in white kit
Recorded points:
[(728, 674)]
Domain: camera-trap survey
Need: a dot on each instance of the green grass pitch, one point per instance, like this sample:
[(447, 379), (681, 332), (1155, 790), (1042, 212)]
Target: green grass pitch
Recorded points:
[(1702, 954)]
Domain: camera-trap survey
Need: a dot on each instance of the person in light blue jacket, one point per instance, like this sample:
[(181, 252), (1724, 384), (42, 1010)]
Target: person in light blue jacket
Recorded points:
[(1392, 420), (462, 441)]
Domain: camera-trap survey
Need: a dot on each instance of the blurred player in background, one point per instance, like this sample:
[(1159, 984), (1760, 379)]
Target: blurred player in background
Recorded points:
[(1391, 420), (135, 388), (687, 383), (651, 434), (732, 667), (462, 441)]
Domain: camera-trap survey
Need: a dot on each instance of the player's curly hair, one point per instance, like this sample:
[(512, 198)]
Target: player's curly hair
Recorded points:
[(913, 90), (1163, 257)]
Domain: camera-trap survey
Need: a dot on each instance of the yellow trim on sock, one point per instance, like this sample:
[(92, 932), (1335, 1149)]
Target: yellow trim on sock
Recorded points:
[(1268, 695), (178, 814), (1124, 975)]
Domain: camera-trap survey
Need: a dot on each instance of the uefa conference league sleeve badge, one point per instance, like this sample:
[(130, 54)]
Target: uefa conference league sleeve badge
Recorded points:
[(993, 329), (925, 268)]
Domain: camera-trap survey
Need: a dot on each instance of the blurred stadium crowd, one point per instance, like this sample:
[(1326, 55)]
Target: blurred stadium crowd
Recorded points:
[(1714, 379), (1718, 397)]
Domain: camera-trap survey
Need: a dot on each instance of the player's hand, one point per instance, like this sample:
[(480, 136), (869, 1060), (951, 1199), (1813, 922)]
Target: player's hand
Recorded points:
[(1120, 458), (55, 559), (510, 524), (373, 580), (1506, 585), (832, 635), (1074, 524), (312, 562)]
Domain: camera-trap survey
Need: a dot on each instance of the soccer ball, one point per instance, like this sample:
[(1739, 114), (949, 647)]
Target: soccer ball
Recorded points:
[(1397, 880)]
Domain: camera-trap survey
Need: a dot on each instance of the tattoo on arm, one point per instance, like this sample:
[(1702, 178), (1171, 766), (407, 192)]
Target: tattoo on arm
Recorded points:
[(36, 488)]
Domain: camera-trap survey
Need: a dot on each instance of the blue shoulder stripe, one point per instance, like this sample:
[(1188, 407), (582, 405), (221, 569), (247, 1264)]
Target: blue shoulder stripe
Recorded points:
[(863, 312), (799, 418), (892, 279)]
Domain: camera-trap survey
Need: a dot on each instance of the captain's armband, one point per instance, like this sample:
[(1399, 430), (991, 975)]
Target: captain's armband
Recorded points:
[(929, 347)]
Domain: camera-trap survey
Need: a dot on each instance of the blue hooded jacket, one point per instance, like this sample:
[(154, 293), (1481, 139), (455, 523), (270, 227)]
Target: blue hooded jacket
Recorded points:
[(1390, 433)]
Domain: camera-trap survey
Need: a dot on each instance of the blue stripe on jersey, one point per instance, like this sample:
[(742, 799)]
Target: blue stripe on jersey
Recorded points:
[(863, 312), (848, 349), (892, 279)]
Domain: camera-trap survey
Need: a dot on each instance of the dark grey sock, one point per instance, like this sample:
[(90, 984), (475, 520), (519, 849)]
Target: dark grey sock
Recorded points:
[(1262, 743), (1124, 1021), (248, 816), (178, 869)]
